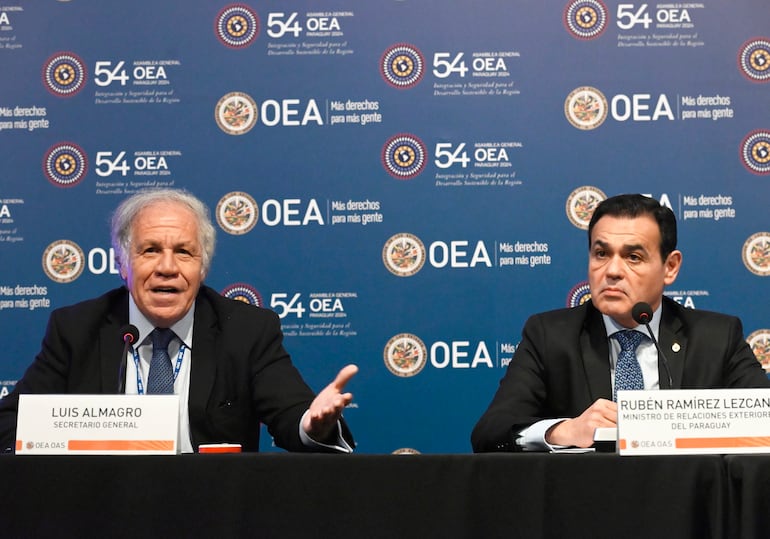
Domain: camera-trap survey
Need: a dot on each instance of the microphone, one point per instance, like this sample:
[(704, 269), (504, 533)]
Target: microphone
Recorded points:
[(642, 314), (129, 334)]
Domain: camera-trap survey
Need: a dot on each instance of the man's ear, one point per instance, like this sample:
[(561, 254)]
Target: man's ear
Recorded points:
[(671, 266)]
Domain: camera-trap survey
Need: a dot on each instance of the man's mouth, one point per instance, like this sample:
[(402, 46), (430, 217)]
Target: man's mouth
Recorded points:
[(165, 290), (613, 291)]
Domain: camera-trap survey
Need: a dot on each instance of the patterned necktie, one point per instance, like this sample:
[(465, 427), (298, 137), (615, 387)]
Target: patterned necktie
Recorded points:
[(161, 379), (628, 373)]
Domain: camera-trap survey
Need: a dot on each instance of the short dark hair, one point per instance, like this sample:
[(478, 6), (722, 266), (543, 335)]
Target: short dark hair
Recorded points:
[(632, 205)]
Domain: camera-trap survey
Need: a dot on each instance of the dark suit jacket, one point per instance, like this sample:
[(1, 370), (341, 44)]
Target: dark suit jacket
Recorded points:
[(562, 366), (240, 373)]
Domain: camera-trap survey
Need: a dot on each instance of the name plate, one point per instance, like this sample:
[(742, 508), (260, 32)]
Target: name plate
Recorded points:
[(97, 424), (694, 421)]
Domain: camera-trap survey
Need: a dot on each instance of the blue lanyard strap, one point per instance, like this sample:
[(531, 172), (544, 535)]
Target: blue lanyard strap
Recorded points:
[(177, 367)]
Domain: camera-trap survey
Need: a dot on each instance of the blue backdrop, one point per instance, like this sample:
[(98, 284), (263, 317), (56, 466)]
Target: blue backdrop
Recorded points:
[(404, 182)]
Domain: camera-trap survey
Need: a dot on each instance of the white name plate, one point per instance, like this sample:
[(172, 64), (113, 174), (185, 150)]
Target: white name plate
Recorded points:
[(97, 424), (694, 421)]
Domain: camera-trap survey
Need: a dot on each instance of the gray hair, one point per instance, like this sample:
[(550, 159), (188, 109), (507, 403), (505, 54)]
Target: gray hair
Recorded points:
[(125, 214)]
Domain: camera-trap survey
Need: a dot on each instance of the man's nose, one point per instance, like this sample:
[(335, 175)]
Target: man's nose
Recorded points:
[(615, 266), (166, 262)]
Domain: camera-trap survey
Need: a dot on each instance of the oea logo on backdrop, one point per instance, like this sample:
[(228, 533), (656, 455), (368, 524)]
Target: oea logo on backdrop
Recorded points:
[(586, 108), (406, 355), (404, 254), (759, 342), (236, 113), (754, 60), (579, 294), (237, 212), (755, 152), (586, 19), (756, 254), (64, 74), (581, 204), (404, 156), (245, 293), (65, 164), (236, 26), (402, 66), (63, 261)]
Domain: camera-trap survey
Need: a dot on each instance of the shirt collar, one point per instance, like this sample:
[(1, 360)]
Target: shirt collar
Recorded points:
[(183, 329), (611, 326)]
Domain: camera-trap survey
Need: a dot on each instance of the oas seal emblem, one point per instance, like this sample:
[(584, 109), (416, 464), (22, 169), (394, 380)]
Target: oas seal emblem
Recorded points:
[(756, 254), (237, 213), (405, 355), (585, 19), (581, 204), (404, 156), (755, 152), (403, 254), (754, 59), (586, 108), (236, 113), (64, 74), (65, 164), (63, 261), (237, 26), (759, 342), (245, 293), (402, 66), (579, 294)]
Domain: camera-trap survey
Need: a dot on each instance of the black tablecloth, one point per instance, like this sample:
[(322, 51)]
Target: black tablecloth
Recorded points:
[(393, 496)]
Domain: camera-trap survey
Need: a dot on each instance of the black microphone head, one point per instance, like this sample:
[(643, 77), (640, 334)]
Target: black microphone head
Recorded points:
[(129, 333), (642, 313)]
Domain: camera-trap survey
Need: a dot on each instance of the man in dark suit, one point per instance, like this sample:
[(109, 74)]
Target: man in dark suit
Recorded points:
[(558, 387), (225, 359)]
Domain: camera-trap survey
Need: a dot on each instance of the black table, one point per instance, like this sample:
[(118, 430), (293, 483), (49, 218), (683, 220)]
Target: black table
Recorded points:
[(368, 496), (749, 496)]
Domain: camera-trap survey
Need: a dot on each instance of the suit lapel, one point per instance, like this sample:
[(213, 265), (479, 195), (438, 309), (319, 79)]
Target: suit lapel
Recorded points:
[(596, 355), (203, 356), (673, 342), (110, 344)]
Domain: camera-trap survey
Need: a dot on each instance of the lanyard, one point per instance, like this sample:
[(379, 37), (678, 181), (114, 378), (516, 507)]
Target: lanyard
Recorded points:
[(139, 383)]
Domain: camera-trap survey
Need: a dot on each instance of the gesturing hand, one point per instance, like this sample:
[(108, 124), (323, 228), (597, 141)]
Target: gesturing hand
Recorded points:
[(327, 407)]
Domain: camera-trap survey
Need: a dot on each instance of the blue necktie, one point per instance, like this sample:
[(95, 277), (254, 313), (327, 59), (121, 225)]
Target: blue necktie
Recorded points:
[(628, 373), (161, 379)]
